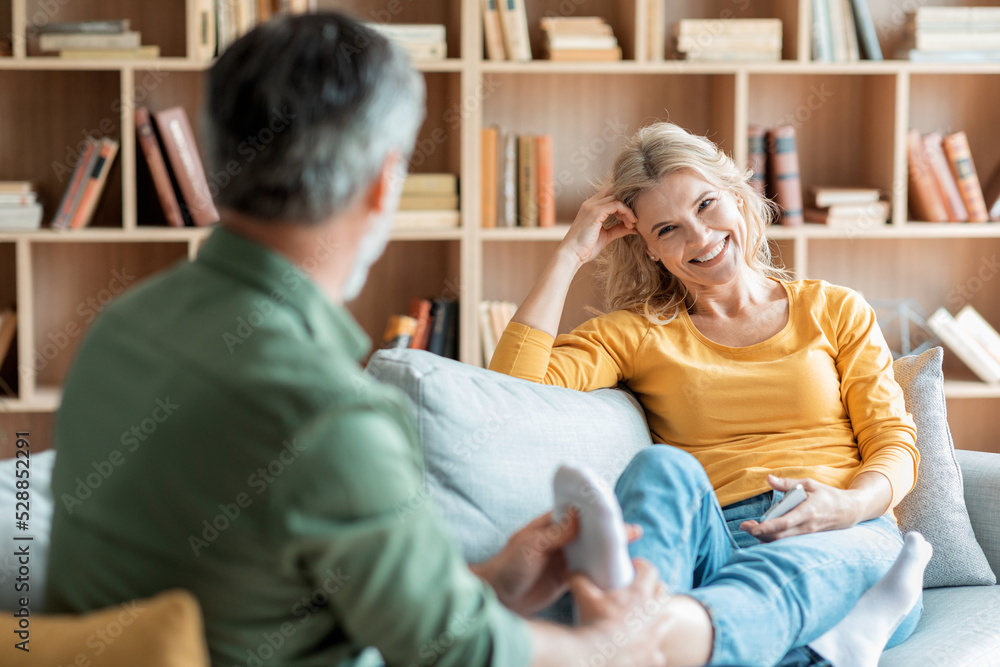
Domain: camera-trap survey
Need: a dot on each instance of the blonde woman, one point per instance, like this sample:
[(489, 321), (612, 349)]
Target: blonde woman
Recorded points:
[(759, 383)]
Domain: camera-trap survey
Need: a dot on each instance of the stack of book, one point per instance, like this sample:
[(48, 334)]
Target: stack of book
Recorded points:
[(729, 39), (429, 200), (952, 34), (421, 41), (843, 30), (225, 21), (847, 208), (86, 185), (430, 325), (8, 327), (580, 38), (518, 186), (94, 39), (971, 338), (943, 183), (494, 316), (19, 207), (175, 167), (773, 156), (505, 26)]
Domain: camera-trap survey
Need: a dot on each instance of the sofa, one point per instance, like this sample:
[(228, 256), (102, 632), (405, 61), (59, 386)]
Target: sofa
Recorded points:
[(492, 443)]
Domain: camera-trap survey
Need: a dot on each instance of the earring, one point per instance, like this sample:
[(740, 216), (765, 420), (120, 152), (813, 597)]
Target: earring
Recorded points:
[(650, 255)]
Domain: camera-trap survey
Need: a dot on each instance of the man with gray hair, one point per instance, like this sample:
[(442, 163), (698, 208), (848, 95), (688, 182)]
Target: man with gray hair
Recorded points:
[(248, 458)]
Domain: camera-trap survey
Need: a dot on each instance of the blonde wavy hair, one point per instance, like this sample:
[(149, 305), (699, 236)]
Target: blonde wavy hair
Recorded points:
[(632, 281)]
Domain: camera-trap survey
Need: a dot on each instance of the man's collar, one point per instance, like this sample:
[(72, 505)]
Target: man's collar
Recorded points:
[(283, 282)]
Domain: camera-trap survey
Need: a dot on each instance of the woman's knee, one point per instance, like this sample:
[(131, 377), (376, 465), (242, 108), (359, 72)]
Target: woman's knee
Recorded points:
[(663, 463)]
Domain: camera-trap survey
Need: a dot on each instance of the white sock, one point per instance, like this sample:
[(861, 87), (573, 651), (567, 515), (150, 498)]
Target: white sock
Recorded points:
[(858, 639)]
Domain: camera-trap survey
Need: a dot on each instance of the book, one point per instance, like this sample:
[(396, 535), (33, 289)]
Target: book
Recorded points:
[(822, 37), (723, 42), (158, 171), (946, 185), (757, 156), (57, 41), (444, 328), (93, 185), (821, 197), (509, 190), (399, 331), (867, 35), (74, 189), (783, 173), (426, 219), (527, 181), (93, 27), (182, 156), (111, 54), (575, 25), (925, 198), (849, 216), (22, 217), (656, 30), (16, 187), (710, 55), (434, 202), (206, 42), (958, 40), (991, 194), (420, 310), (838, 31), (487, 337), (514, 18), (555, 42), (544, 170), (423, 50), (969, 319), (850, 30), (415, 32), (963, 169), (492, 31), (432, 183), (965, 347), (8, 327), (489, 176), (728, 26), (586, 55), (948, 56), (923, 16), (18, 200)]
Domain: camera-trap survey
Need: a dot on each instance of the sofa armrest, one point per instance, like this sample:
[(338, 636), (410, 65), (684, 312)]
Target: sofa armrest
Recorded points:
[(981, 474)]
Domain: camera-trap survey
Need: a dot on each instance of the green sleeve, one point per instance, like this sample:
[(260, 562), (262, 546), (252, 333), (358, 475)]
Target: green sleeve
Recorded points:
[(354, 505)]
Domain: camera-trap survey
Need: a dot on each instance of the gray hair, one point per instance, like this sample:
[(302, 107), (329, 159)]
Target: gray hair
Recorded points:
[(301, 113)]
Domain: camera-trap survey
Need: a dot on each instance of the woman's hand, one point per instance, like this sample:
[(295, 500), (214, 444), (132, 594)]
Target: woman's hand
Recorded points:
[(587, 236), (530, 572), (825, 508)]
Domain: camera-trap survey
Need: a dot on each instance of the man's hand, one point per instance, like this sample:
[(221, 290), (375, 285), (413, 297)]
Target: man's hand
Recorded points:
[(530, 572), (825, 507)]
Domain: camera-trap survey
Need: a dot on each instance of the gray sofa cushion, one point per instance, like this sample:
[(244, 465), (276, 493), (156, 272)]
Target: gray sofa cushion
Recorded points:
[(492, 442), (39, 527), (959, 626), (936, 505), (981, 474)]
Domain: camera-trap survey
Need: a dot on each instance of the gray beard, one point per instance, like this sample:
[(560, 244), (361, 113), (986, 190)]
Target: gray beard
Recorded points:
[(369, 250)]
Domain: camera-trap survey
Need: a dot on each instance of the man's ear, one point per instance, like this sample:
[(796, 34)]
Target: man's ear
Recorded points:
[(385, 189)]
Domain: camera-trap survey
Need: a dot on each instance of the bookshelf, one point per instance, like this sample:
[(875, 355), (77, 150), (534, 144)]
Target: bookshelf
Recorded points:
[(851, 119)]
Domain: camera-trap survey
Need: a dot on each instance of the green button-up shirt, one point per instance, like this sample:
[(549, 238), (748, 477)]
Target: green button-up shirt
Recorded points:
[(217, 434)]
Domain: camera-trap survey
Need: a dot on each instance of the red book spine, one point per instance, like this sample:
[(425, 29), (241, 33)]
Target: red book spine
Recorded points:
[(81, 172), (157, 167), (956, 148), (757, 157), (926, 201), (420, 310), (546, 182), (783, 167), (182, 153), (945, 181), (95, 184)]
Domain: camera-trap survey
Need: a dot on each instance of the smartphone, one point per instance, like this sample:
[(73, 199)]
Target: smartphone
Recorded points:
[(786, 504)]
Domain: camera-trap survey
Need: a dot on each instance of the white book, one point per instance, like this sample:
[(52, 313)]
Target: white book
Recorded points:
[(514, 18), (656, 30), (957, 41), (13, 200), (822, 40), (55, 41), (964, 346), (21, 217), (493, 31), (486, 335), (430, 32), (509, 182), (426, 219), (976, 325), (686, 43), (422, 50), (728, 27), (582, 42), (838, 32), (850, 31), (930, 15), (828, 196)]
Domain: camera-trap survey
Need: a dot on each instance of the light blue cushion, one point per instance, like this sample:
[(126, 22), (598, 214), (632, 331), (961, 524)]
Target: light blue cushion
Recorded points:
[(39, 527), (492, 442)]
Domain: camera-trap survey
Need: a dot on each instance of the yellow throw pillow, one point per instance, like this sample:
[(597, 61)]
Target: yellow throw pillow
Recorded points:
[(163, 631)]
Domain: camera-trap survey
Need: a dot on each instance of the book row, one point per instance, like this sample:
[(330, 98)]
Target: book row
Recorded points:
[(430, 325), (943, 183), (971, 338), (518, 186)]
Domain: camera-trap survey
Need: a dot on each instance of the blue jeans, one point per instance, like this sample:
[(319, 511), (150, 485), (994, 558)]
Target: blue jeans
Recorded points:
[(766, 601)]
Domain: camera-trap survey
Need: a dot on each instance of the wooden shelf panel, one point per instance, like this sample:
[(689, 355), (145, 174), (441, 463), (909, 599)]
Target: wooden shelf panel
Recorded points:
[(161, 23), (37, 421), (8, 299)]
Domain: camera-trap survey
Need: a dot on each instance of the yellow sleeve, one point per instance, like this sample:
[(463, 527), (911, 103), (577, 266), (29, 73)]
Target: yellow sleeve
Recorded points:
[(885, 432), (599, 353)]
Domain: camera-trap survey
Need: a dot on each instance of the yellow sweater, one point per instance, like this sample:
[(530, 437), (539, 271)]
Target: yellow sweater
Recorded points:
[(818, 399)]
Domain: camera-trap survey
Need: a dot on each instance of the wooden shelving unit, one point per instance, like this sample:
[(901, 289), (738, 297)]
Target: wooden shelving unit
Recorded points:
[(851, 118)]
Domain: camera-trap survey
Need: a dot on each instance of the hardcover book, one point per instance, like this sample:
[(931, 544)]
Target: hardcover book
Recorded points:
[(182, 155), (158, 171), (946, 184), (925, 198), (963, 169), (489, 185), (93, 185), (783, 171)]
